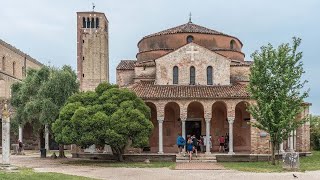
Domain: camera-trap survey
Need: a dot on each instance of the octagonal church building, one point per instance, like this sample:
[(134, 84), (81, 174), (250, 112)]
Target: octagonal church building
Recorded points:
[(194, 80)]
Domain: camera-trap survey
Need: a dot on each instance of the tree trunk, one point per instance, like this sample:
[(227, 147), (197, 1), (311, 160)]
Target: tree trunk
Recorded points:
[(61, 151), (273, 149)]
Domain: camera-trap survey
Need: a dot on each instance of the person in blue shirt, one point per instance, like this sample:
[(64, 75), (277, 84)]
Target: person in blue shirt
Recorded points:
[(190, 147), (180, 143)]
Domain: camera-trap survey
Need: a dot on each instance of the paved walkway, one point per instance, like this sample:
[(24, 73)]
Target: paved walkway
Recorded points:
[(49, 165)]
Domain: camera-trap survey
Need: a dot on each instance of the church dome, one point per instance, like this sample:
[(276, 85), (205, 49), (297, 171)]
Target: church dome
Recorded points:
[(158, 44)]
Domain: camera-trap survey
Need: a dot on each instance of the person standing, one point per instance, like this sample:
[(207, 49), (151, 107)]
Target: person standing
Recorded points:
[(201, 143), (221, 142), (190, 148), (180, 143), (195, 144)]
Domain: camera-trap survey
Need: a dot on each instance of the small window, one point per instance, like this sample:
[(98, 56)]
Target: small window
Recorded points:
[(189, 39), (192, 75), (84, 22), (88, 22), (82, 75), (3, 63), (144, 67), (82, 41), (232, 44), (92, 23), (209, 75), (97, 22), (14, 68), (175, 75), (82, 57)]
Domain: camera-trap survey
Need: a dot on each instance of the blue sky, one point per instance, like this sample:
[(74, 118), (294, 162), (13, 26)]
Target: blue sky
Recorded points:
[(46, 29)]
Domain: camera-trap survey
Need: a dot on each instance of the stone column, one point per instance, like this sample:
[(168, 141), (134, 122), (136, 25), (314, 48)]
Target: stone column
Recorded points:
[(160, 122), (291, 142), (295, 140), (281, 148), (20, 133), (46, 137), (208, 135), (183, 130), (231, 120), (5, 136)]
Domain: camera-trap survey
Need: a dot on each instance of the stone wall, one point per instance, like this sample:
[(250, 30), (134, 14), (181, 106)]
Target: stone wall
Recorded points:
[(125, 77), (239, 73), (183, 60)]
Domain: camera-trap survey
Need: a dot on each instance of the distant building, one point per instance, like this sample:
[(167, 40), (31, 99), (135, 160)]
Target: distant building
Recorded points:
[(194, 79), (92, 49)]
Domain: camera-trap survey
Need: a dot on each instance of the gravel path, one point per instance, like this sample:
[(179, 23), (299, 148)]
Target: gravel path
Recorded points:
[(48, 165)]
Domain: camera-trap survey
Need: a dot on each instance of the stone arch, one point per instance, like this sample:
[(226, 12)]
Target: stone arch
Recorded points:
[(195, 124), (195, 109), (233, 44), (241, 128), (219, 122), (171, 126), (153, 140)]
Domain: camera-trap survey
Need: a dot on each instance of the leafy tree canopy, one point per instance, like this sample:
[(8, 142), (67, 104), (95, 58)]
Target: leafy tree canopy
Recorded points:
[(108, 115), (39, 97), (276, 86)]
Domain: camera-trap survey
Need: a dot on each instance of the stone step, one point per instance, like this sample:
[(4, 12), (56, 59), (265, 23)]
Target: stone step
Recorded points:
[(199, 155), (197, 158), (195, 161)]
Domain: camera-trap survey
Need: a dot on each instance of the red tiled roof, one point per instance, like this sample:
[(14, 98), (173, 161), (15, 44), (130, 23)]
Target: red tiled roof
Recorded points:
[(126, 65), (147, 90), (188, 28)]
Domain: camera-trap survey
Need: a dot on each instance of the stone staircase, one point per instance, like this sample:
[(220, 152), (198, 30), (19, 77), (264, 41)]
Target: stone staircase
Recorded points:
[(203, 158)]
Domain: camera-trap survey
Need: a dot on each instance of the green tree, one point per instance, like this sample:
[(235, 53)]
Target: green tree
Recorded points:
[(40, 96), (315, 132), (107, 116), (276, 86)]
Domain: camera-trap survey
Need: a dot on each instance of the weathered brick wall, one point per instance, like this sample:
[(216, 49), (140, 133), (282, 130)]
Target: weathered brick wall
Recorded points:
[(13, 64), (239, 73), (149, 71), (203, 59), (125, 77), (154, 47)]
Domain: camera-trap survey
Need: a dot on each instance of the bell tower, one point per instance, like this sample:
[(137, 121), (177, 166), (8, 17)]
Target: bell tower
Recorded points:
[(92, 49)]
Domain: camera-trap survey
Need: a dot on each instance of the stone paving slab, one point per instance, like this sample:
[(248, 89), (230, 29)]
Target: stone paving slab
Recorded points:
[(199, 166)]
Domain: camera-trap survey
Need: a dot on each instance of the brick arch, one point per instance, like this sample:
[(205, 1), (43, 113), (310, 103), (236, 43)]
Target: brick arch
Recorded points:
[(219, 123), (241, 128), (153, 140), (195, 109), (171, 126)]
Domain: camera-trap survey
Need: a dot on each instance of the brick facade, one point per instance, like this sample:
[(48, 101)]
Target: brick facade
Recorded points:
[(175, 104)]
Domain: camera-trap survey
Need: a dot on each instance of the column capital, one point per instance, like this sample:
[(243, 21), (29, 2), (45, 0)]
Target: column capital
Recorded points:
[(160, 119), (231, 120), (183, 119), (207, 119)]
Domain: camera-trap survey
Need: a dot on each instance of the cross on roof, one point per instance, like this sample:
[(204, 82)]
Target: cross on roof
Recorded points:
[(192, 52)]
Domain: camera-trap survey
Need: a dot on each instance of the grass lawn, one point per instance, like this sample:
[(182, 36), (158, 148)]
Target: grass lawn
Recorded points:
[(100, 163), (309, 163), (29, 174)]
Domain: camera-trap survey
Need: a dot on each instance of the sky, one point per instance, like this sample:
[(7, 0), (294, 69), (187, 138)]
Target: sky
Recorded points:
[(46, 29)]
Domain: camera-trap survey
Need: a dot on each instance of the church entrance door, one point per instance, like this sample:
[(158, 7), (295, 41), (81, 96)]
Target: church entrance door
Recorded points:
[(193, 128)]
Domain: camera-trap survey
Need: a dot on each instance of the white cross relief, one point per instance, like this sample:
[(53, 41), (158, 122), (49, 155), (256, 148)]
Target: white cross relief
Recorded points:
[(192, 52)]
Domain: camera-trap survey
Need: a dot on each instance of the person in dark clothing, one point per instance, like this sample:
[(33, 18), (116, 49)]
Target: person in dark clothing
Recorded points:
[(195, 144)]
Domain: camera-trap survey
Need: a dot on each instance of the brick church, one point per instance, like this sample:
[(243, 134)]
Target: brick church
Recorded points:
[(194, 80)]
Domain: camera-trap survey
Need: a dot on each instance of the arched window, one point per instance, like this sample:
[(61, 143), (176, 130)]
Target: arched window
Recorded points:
[(14, 68), (175, 75), (3, 63), (232, 44), (88, 22), (97, 22), (209, 75), (189, 39), (192, 75), (92, 23), (84, 22)]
